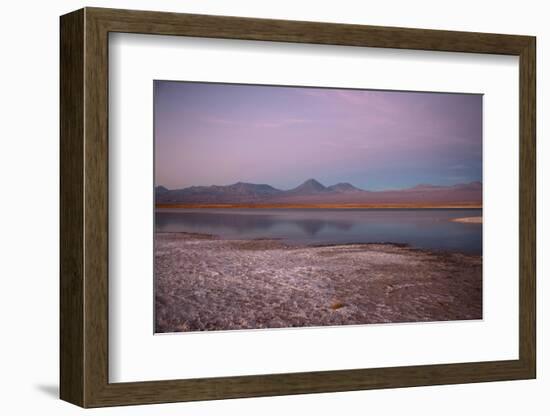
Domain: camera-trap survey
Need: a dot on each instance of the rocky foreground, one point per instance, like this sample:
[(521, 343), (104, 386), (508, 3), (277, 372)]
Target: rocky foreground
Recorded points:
[(205, 283)]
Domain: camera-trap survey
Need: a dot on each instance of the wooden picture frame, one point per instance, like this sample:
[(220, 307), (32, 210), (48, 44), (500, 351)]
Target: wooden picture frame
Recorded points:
[(84, 207)]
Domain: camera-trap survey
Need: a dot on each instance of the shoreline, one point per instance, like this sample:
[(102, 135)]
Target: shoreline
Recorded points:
[(205, 283), (290, 245), (468, 220), (320, 206)]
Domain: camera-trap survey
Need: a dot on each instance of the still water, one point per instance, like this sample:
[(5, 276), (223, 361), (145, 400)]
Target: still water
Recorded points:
[(420, 228)]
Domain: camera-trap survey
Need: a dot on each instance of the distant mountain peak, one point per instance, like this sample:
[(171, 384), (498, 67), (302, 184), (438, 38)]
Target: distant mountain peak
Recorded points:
[(313, 182), (161, 188), (343, 187), (251, 189), (310, 186)]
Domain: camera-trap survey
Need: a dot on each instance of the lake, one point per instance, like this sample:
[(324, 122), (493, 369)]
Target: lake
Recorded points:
[(419, 228)]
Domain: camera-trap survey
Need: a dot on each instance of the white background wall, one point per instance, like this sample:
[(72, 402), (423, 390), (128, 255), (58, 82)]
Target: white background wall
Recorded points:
[(29, 159)]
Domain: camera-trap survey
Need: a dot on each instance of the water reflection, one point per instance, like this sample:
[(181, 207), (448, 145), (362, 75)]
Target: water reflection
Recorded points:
[(430, 229)]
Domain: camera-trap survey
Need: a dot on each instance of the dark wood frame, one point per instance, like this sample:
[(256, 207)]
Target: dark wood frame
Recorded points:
[(84, 210)]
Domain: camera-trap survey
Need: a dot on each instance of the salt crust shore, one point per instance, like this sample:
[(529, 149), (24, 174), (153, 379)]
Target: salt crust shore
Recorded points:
[(469, 220), (206, 283)]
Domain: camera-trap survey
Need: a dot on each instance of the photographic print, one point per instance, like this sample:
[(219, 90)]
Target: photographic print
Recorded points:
[(290, 206)]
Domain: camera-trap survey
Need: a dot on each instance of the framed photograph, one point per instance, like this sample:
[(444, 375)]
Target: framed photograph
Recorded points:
[(255, 207)]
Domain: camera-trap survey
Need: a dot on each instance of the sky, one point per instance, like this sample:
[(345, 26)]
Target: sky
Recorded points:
[(219, 134)]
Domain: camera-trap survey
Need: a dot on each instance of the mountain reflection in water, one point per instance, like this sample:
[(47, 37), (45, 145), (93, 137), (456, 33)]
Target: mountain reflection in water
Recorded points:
[(420, 228)]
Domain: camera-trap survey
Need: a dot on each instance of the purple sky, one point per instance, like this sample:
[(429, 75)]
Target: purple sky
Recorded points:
[(218, 134)]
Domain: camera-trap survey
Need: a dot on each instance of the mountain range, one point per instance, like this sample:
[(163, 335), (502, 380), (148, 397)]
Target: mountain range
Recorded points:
[(314, 192)]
